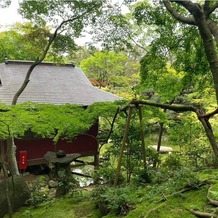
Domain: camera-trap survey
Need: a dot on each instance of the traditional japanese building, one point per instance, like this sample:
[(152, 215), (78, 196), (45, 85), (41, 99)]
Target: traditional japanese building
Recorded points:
[(57, 85)]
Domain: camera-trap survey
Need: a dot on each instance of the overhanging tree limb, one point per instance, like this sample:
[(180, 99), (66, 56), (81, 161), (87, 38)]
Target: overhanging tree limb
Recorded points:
[(176, 108), (177, 16), (189, 5), (204, 119)]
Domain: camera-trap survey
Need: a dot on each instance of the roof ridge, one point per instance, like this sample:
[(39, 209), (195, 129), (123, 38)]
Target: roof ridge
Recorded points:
[(23, 62)]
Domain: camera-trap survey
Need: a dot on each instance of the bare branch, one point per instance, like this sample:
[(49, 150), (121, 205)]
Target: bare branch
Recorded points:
[(177, 16)]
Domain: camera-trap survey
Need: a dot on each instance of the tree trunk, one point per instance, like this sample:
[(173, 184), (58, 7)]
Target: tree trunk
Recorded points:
[(214, 30), (210, 135), (210, 50), (209, 45), (208, 31), (10, 208), (11, 154)]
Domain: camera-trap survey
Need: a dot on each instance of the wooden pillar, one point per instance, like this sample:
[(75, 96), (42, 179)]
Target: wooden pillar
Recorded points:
[(142, 136), (123, 145), (96, 161)]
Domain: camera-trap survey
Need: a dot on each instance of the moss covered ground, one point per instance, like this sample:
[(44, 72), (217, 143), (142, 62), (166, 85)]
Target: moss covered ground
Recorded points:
[(146, 202)]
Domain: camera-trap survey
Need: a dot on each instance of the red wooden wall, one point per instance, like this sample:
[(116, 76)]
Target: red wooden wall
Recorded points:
[(85, 144)]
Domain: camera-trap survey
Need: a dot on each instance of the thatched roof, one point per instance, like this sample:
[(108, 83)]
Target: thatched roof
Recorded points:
[(49, 84)]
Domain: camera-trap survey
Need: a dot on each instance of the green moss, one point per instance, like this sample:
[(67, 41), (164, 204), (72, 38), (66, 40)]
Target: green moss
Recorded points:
[(208, 174), (86, 209), (213, 192), (61, 208), (151, 201), (173, 207)]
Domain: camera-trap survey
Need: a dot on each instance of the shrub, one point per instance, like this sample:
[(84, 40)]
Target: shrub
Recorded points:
[(173, 162), (38, 193), (106, 175), (115, 200)]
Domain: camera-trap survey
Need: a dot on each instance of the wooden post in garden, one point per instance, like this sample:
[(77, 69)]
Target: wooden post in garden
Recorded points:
[(123, 145), (142, 136), (130, 108)]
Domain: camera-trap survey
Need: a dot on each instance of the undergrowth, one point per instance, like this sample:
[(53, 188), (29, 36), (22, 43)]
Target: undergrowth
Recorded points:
[(167, 196)]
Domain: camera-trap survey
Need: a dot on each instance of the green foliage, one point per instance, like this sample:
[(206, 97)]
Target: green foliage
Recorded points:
[(67, 184), (166, 83), (132, 158), (105, 109), (38, 193), (116, 69), (173, 162), (151, 200), (182, 133), (143, 176), (172, 40), (172, 180), (105, 175), (28, 41), (23, 42), (132, 161), (116, 30), (175, 61), (52, 121), (113, 200), (80, 14), (213, 192)]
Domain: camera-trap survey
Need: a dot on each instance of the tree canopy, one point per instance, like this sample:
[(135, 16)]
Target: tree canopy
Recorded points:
[(116, 69), (27, 41)]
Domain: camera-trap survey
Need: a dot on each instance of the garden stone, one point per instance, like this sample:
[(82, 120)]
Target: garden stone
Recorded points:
[(19, 194), (52, 193), (52, 184)]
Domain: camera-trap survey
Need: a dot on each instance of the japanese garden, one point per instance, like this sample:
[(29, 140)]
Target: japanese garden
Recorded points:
[(109, 108)]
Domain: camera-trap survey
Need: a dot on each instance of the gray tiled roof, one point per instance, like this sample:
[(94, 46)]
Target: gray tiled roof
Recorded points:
[(49, 84)]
